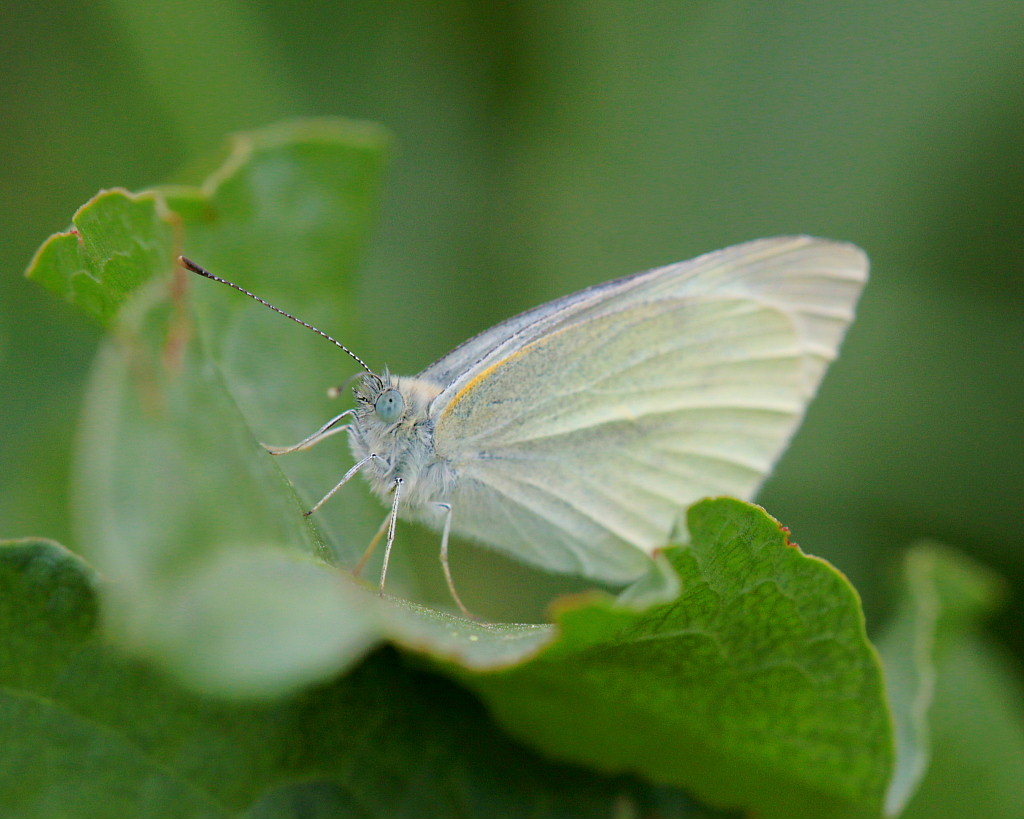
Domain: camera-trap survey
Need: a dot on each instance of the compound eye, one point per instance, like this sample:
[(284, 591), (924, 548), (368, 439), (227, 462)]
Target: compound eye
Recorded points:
[(390, 406)]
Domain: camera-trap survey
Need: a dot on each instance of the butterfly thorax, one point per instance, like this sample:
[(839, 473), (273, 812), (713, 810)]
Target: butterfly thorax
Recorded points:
[(404, 443)]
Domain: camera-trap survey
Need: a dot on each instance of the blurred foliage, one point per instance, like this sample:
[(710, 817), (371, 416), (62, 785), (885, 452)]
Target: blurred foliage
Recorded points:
[(543, 147), (945, 598), (87, 732)]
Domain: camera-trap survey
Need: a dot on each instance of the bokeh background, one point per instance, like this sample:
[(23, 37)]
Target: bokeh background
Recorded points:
[(542, 147)]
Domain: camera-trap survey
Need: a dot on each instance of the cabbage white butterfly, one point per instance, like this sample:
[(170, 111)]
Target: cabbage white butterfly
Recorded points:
[(571, 435)]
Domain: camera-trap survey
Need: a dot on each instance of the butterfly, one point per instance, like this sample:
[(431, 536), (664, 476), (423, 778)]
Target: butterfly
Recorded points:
[(571, 436)]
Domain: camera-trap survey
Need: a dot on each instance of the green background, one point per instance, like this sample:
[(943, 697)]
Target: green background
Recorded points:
[(542, 147)]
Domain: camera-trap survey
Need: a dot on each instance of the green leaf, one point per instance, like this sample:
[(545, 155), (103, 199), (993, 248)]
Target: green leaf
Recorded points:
[(756, 689), (288, 215), (908, 653), (212, 565), (945, 596), (294, 203), (483, 645), (87, 733), (214, 571), (59, 762), (977, 736), (117, 242)]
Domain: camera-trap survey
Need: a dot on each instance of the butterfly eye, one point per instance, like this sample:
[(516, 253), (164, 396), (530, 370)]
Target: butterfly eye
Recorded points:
[(389, 406)]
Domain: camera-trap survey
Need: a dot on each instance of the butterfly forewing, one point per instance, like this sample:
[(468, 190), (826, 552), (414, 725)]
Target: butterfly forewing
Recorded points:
[(581, 429)]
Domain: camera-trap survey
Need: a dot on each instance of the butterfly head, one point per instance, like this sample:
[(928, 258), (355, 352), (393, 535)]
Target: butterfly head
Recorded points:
[(380, 398), (393, 422), (368, 388), (387, 401)]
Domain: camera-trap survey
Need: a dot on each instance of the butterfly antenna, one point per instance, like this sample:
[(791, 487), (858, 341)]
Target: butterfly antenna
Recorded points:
[(190, 265)]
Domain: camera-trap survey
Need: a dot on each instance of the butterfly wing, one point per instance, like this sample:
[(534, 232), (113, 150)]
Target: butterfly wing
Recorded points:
[(580, 429), (468, 356)]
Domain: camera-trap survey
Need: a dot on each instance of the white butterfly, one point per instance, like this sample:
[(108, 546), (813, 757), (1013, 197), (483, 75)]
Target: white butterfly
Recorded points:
[(572, 435)]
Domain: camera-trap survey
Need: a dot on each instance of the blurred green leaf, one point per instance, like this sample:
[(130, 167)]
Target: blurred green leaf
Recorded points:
[(117, 242), (288, 215), (88, 734), (945, 595), (59, 762), (977, 732), (292, 203), (212, 565), (908, 652), (213, 569), (929, 652)]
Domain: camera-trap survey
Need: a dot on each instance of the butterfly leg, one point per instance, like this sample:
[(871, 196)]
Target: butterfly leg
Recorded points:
[(326, 431), (447, 507), (341, 483), (392, 520), (358, 570)]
